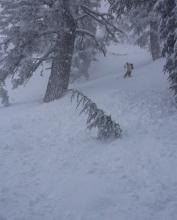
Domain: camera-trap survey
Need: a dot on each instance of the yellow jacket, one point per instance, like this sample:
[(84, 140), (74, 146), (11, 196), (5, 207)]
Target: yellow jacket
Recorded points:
[(129, 67)]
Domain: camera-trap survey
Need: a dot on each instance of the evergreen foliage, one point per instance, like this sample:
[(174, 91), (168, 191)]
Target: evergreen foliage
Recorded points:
[(85, 51), (97, 118), (154, 20), (143, 22), (168, 10), (34, 32)]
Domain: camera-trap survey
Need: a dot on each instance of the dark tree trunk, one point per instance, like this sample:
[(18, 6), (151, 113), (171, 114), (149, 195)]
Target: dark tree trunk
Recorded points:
[(84, 68), (61, 64), (154, 40)]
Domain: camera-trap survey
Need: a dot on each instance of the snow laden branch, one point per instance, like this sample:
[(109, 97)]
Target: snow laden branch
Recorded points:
[(97, 118), (104, 19), (33, 66)]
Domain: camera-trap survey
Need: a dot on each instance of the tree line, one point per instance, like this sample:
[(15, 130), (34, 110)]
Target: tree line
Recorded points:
[(154, 24)]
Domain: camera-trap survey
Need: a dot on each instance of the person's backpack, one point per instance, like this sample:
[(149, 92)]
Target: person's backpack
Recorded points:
[(132, 66)]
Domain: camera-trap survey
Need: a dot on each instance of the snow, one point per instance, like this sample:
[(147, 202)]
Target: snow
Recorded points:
[(51, 167)]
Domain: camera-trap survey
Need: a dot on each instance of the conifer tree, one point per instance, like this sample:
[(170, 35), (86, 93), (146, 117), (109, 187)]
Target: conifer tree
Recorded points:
[(144, 22), (85, 50), (45, 30), (168, 29)]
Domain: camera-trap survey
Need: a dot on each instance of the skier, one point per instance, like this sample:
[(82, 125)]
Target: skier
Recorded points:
[(129, 68)]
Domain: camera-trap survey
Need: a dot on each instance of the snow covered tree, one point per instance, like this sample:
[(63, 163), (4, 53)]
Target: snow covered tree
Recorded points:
[(97, 118), (45, 30), (168, 29), (144, 21), (85, 50)]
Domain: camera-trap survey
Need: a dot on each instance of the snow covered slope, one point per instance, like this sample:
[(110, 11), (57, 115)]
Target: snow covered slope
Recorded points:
[(52, 168)]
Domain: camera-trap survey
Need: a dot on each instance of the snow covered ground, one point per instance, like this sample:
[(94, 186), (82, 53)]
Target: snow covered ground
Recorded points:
[(52, 168)]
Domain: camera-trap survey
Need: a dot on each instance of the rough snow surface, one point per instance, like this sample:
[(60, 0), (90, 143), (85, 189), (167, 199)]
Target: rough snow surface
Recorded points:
[(52, 168)]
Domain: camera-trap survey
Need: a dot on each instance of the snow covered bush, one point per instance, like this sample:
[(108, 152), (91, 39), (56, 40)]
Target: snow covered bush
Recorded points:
[(97, 118)]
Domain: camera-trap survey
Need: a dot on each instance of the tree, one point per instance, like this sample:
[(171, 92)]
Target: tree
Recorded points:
[(168, 30), (45, 30), (144, 21), (61, 63), (85, 50)]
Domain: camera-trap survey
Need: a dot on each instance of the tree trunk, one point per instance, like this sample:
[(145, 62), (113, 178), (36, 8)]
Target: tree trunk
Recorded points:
[(154, 40), (84, 67), (61, 64)]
